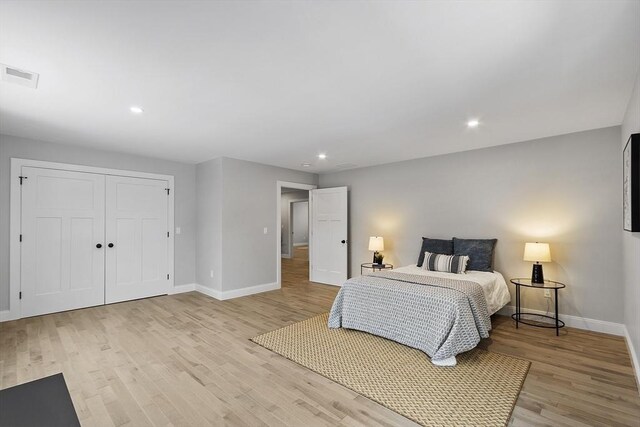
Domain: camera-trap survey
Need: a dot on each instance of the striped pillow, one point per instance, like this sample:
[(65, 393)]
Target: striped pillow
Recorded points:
[(445, 263)]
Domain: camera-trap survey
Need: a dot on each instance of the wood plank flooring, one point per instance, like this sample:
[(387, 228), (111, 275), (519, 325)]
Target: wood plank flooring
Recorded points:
[(187, 360)]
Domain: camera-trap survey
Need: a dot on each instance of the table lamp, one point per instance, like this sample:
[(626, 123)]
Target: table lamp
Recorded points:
[(376, 244), (537, 252)]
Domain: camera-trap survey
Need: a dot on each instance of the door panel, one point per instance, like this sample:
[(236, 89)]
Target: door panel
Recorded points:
[(125, 251), (62, 222), (136, 265), (48, 263), (329, 240), (151, 239), (80, 257)]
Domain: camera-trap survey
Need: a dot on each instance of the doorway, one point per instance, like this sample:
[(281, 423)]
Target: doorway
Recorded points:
[(294, 236), (326, 257), (296, 269)]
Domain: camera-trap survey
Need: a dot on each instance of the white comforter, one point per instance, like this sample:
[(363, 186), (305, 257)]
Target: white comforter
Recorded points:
[(493, 284)]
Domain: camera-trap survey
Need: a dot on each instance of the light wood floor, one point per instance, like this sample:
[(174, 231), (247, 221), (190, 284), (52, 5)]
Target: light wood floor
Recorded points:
[(187, 360)]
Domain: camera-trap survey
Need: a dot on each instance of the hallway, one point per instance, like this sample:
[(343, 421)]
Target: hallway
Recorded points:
[(296, 269)]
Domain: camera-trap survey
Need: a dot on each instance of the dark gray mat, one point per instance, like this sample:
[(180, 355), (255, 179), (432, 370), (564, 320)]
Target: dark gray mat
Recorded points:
[(43, 402)]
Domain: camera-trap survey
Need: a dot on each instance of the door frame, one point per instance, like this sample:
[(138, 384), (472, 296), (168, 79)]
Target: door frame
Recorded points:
[(279, 186), (15, 220)]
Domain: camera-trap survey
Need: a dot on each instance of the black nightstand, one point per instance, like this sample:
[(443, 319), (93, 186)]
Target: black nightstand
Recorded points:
[(375, 267), (548, 284)]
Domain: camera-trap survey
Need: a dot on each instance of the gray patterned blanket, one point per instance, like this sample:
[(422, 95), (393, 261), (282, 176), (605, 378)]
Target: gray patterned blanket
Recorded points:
[(442, 317)]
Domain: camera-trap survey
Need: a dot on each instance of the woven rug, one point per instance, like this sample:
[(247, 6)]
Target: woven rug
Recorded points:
[(480, 391)]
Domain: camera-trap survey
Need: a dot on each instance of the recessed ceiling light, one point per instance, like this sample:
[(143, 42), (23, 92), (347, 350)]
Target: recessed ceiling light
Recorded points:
[(322, 156), (473, 123), (136, 110), (306, 165)]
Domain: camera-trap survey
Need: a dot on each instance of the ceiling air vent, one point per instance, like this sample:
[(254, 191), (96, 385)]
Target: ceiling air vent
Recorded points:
[(22, 77)]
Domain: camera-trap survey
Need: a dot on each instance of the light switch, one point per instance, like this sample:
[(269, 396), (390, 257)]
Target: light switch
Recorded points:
[(211, 274), (265, 230), (178, 231)]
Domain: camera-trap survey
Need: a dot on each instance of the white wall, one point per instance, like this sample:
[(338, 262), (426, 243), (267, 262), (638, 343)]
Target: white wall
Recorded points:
[(300, 223), (185, 212), (631, 241), (236, 201), (565, 190), (249, 204)]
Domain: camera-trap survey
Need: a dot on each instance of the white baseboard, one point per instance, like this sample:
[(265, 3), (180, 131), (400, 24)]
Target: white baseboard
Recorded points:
[(585, 323), (188, 287), (237, 293), (5, 315), (8, 315), (634, 356), (213, 293), (301, 244)]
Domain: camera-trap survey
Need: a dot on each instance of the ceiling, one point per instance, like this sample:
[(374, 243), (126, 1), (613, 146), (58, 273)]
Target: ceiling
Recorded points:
[(280, 82)]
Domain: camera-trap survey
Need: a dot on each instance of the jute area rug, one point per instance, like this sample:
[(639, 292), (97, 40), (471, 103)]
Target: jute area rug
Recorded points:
[(480, 391)]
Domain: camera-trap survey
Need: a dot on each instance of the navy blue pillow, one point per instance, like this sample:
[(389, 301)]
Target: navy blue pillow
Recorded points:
[(479, 251), (435, 246)]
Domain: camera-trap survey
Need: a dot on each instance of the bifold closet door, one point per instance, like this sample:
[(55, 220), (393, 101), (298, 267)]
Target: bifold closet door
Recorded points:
[(136, 237), (63, 228)]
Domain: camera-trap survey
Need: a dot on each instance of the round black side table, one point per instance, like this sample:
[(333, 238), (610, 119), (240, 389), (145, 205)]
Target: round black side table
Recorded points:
[(548, 284), (375, 267)]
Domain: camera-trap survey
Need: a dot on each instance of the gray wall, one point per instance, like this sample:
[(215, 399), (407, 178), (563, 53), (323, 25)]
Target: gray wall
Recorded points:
[(185, 213), (631, 241), (209, 224), (300, 223), (284, 213), (249, 204), (564, 190)]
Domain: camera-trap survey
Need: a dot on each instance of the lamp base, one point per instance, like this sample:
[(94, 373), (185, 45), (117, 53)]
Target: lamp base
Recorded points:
[(377, 258), (536, 274)]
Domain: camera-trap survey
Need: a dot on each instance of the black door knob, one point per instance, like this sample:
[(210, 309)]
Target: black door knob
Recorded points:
[(99, 245), (343, 241), (110, 245)]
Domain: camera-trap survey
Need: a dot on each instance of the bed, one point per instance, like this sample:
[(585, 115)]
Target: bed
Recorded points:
[(441, 314)]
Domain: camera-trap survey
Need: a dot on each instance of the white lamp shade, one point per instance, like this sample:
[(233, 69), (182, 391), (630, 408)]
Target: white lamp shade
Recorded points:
[(376, 243), (537, 252)]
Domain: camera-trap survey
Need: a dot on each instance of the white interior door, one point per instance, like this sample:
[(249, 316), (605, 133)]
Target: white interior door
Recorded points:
[(329, 231), (137, 238), (62, 240)]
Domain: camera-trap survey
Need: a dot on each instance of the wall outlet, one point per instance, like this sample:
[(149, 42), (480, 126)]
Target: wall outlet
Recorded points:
[(547, 293), (265, 230), (211, 273), (178, 230)]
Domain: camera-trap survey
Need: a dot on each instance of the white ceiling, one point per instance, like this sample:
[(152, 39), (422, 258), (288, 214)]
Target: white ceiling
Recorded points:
[(279, 82)]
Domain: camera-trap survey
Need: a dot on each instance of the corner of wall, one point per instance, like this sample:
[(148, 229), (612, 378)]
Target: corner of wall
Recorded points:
[(208, 219), (631, 245)]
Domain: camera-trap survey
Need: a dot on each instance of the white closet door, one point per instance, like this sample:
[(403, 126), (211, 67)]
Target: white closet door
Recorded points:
[(62, 226), (137, 242), (329, 240)]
